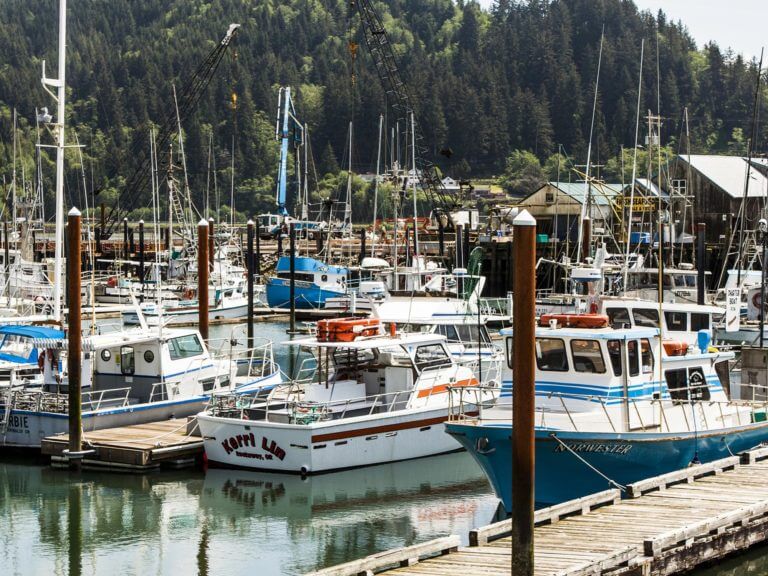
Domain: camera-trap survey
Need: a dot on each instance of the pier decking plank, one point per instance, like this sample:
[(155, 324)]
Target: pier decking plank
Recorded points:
[(672, 523)]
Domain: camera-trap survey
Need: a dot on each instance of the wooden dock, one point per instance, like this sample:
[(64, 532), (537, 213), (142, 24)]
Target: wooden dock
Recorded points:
[(138, 448), (664, 525)]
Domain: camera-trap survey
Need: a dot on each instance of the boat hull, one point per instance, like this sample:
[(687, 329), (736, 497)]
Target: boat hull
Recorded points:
[(27, 428), (562, 474), (325, 446), (187, 316), (308, 296)]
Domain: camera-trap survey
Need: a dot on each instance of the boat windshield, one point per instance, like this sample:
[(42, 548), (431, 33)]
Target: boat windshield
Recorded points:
[(16, 348)]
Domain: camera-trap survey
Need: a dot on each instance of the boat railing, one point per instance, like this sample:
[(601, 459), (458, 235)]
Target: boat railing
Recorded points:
[(257, 361), (58, 402), (487, 370), (467, 402), (302, 411), (496, 306)]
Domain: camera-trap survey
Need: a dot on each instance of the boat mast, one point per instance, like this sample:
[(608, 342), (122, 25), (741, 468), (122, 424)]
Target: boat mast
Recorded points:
[(60, 85), (348, 201), (376, 187)]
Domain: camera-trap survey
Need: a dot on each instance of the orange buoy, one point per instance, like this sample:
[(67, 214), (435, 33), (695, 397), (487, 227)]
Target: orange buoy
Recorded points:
[(675, 348)]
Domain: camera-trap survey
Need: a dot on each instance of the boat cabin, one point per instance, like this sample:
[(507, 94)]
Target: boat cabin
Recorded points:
[(680, 321), (139, 366), (20, 359), (582, 370), (370, 374)]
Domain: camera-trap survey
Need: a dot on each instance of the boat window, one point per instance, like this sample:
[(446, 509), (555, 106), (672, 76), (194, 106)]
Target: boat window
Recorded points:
[(680, 280), (699, 321), (510, 348), (619, 317), (677, 321), (127, 360), (300, 277), (687, 383), (614, 353), (468, 334), (634, 358), (646, 317), (185, 347), (448, 331), (690, 280), (550, 355), (431, 356), (587, 356), (646, 355)]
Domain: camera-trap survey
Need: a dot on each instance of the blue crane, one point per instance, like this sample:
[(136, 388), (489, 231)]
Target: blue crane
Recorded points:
[(285, 124)]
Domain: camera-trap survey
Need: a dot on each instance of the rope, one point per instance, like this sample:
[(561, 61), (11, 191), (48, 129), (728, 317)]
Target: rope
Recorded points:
[(609, 480)]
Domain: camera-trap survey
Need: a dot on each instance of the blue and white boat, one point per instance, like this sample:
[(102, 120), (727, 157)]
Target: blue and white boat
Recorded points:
[(315, 282), (20, 361), (128, 377), (614, 406)]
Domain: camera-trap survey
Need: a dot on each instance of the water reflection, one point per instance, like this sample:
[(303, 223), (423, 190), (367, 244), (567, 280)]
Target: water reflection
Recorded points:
[(224, 521)]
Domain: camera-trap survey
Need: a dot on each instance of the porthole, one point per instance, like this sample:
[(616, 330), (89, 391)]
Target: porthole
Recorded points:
[(106, 355), (149, 356)]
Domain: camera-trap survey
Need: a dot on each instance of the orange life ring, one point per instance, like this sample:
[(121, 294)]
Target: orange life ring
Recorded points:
[(189, 294)]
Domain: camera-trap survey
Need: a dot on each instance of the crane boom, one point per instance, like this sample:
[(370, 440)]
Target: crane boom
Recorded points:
[(380, 48), (189, 96)]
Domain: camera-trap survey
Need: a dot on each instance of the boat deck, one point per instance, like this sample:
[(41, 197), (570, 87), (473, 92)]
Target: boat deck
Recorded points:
[(663, 525), (139, 447)]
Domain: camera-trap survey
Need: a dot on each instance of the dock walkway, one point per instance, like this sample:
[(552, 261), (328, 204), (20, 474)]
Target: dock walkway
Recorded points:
[(663, 525), (138, 447)]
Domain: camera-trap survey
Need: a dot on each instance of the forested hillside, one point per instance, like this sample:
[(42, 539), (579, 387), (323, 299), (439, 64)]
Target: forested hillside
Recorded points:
[(486, 83)]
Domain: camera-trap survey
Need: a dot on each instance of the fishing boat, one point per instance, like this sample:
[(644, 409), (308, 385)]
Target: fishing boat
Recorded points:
[(230, 302), (129, 377), (377, 398), (314, 283), (614, 406)]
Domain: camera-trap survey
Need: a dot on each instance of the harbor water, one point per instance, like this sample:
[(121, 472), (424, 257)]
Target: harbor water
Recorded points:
[(229, 521)]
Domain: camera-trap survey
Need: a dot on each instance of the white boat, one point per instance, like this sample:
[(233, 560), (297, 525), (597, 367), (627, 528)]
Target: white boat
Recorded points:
[(129, 377), (373, 400), (230, 303)]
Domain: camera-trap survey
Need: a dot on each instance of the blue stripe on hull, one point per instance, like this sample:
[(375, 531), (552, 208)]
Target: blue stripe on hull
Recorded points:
[(624, 458), (307, 297)]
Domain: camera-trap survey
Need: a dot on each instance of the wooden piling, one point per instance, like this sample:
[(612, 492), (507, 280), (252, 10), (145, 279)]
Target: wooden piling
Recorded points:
[(202, 277), (701, 257), (586, 244), (126, 255), (362, 245), (249, 267), (74, 351), (257, 263), (523, 400), (141, 256), (293, 277), (440, 237), (458, 246), (211, 245)]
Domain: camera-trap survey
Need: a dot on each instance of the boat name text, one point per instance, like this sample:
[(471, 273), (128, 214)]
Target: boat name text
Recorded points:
[(597, 447), (245, 440)]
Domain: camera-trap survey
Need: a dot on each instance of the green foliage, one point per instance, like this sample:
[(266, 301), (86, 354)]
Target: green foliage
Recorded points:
[(486, 84), (523, 173)]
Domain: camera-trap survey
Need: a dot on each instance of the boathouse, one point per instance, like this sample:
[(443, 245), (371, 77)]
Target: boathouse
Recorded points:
[(557, 207), (717, 186)]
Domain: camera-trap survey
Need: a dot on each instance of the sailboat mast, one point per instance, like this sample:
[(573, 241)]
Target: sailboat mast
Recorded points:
[(60, 84), (376, 186), (415, 188), (348, 202)]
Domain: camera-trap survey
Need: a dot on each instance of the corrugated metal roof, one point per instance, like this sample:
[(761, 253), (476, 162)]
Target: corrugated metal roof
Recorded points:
[(729, 173), (602, 194), (643, 186)]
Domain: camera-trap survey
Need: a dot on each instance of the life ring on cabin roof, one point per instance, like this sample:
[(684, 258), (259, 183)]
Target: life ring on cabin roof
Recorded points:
[(756, 300), (189, 294)]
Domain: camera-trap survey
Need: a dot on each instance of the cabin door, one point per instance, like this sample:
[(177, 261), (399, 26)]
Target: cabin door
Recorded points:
[(642, 413)]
